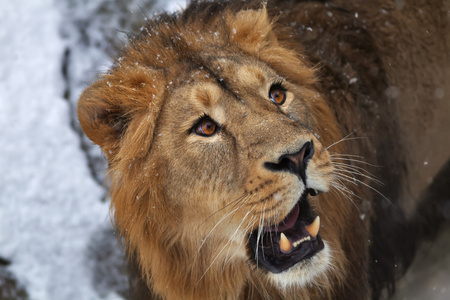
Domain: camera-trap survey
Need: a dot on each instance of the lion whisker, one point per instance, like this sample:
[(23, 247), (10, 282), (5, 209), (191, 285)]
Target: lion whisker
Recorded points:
[(348, 170), (260, 228), (353, 160), (242, 221), (214, 260), (249, 225), (355, 181), (345, 138), (355, 168), (335, 154), (217, 224), (236, 202), (341, 190), (349, 192), (223, 248), (263, 217)]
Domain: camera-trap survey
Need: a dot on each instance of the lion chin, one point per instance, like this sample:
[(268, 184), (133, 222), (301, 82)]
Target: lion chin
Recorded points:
[(304, 273), (267, 151)]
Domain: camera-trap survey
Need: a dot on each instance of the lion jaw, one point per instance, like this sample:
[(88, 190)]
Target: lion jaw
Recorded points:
[(304, 273)]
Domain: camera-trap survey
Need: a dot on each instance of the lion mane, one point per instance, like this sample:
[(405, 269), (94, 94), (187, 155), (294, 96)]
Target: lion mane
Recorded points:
[(274, 151)]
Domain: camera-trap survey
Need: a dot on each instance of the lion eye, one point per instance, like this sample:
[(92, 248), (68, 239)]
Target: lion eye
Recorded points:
[(205, 127), (277, 94)]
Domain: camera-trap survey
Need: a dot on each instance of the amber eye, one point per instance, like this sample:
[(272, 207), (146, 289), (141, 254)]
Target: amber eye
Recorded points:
[(277, 94), (205, 127)]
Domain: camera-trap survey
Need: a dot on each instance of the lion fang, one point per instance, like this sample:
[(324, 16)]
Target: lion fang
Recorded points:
[(313, 228), (285, 244)]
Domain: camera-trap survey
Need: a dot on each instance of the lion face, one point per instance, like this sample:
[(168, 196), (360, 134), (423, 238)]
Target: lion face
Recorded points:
[(219, 164), (241, 160)]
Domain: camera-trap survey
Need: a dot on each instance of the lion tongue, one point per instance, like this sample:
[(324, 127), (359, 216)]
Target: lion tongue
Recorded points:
[(288, 222)]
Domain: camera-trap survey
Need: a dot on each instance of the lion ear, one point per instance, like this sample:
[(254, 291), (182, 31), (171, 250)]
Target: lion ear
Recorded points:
[(127, 100), (101, 119), (251, 29)]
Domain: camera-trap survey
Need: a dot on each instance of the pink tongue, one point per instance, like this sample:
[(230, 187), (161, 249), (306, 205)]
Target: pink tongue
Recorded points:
[(288, 222)]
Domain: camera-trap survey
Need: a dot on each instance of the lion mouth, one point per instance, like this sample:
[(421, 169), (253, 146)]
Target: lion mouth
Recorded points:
[(295, 239)]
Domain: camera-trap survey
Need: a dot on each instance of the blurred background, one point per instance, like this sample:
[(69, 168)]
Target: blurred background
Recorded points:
[(56, 237)]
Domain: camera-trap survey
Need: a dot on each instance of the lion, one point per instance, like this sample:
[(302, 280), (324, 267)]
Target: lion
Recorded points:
[(278, 150)]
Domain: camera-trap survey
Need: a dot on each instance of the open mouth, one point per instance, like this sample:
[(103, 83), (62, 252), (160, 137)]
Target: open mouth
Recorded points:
[(296, 238)]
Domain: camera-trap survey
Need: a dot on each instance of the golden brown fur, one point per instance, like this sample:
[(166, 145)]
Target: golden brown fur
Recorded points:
[(186, 203)]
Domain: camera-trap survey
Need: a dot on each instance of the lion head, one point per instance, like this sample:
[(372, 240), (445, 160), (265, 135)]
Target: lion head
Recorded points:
[(221, 152)]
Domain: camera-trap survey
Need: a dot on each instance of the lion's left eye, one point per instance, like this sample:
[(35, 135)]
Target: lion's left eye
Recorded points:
[(277, 94)]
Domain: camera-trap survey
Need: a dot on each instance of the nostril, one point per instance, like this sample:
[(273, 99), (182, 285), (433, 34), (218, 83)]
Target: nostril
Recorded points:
[(295, 163), (309, 152), (284, 164)]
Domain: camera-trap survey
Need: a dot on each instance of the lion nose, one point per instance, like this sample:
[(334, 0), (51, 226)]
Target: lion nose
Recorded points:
[(295, 163)]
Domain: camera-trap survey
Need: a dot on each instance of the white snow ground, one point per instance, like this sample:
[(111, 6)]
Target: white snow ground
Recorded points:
[(52, 219), (49, 202), (50, 205)]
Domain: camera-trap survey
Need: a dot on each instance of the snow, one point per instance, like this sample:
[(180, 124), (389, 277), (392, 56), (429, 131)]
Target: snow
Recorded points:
[(51, 208)]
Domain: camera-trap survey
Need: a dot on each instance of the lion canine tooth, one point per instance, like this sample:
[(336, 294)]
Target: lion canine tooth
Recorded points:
[(313, 228), (285, 244)]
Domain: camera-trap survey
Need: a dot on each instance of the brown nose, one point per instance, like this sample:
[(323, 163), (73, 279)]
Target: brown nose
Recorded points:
[(295, 163)]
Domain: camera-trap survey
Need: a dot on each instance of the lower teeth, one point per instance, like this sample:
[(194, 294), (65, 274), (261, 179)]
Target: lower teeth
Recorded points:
[(297, 243)]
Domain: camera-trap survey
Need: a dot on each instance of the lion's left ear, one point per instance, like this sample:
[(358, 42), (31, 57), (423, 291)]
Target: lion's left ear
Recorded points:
[(251, 29)]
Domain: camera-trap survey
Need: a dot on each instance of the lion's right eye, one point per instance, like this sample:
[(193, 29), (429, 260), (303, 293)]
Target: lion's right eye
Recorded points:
[(205, 127), (277, 93)]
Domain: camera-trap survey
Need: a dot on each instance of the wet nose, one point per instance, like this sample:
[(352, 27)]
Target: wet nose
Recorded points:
[(295, 163)]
